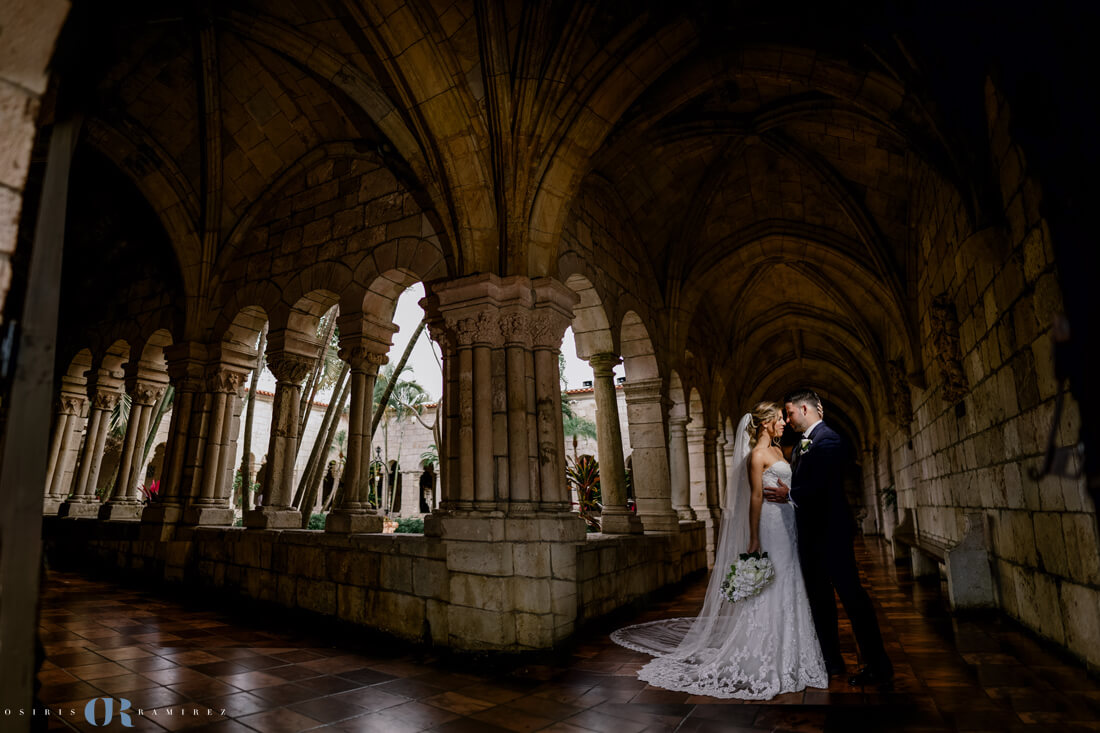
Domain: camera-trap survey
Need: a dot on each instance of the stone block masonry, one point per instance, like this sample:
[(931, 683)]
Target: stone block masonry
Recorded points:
[(467, 593)]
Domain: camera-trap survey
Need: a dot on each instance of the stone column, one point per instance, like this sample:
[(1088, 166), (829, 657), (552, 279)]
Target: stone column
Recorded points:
[(679, 467), (652, 485), (552, 314), (181, 479), (354, 514), (70, 410), (222, 406), (615, 518), (125, 503), (84, 503), (290, 369), (504, 522), (722, 478), (710, 473)]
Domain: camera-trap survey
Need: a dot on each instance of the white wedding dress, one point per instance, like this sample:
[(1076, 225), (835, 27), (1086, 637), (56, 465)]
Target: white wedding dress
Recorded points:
[(754, 649)]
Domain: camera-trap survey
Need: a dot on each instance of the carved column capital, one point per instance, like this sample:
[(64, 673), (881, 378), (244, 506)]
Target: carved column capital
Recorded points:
[(515, 327), (105, 400), (70, 404), (146, 393), (603, 365), (289, 367), (679, 421), (227, 381)]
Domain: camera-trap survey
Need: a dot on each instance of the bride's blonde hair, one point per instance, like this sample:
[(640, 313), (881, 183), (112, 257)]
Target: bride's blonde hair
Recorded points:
[(764, 412)]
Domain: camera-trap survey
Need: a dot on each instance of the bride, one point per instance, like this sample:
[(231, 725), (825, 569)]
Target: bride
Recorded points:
[(760, 647)]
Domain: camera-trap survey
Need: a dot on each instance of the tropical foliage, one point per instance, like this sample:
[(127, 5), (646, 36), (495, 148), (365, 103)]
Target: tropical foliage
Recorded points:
[(583, 475)]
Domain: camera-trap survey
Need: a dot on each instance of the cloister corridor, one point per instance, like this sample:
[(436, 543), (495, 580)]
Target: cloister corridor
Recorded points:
[(885, 207)]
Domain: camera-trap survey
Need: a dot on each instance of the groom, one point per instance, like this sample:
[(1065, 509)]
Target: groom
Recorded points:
[(825, 530)]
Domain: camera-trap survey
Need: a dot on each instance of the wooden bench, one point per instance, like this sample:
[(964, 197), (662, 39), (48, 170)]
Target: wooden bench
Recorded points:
[(967, 564)]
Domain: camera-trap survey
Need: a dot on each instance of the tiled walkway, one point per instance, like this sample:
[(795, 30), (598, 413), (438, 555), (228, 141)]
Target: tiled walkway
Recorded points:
[(166, 656)]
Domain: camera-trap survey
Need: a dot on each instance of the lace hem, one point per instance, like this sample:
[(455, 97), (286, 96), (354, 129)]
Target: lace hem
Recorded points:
[(728, 689)]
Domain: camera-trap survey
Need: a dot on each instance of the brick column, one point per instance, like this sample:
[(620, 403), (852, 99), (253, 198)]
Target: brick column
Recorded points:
[(615, 518), (652, 478), (679, 467), (710, 473), (290, 369), (84, 502)]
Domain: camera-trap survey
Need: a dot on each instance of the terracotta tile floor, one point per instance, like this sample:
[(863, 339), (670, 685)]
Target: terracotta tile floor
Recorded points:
[(272, 673)]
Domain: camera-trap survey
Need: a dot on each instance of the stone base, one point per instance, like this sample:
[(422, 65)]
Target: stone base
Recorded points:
[(76, 509), (121, 511), (208, 516), (685, 514), (620, 522), (269, 517), (353, 523), (162, 514), (660, 523), (50, 505), (969, 570)]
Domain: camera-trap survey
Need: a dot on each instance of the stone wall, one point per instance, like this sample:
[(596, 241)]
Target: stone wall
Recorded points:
[(972, 452), (616, 570), (456, 592)]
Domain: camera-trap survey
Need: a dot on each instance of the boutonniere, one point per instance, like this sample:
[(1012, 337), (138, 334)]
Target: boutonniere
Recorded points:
[(804, 445)]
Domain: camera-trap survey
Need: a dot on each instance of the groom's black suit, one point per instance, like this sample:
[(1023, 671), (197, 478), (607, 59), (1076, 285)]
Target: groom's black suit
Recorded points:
[(825, 530)]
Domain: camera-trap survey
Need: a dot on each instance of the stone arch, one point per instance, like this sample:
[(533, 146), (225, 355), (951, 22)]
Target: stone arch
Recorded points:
[(639, 358), (676, 396), (303, 316), (591, 327), (243, 332), (400, 261), (828, 380), (158, 178), (260, 296)]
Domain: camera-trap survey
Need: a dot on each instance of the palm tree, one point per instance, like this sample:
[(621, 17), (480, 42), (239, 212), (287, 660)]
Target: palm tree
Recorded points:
[(577, 426)]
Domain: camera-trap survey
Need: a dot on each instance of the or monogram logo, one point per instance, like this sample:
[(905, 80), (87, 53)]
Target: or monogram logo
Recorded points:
[(108, 712)]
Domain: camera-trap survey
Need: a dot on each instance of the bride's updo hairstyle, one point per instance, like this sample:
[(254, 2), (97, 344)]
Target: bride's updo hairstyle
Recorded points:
[(764, 412)]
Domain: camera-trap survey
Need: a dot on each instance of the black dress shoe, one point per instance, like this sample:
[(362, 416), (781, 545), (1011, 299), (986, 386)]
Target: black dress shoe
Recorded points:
[(871, 676), (835, 670)]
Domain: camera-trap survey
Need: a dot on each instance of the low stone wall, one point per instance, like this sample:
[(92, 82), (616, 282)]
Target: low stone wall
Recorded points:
[(410, 586), (616, 570)]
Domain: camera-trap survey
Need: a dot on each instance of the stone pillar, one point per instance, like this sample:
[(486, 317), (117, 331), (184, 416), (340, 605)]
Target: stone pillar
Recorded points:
[(679, 467), (181, 479), (702, 477), (221, 404), (70, 412), (710, 473), (290, 369), (615, 518), (354, 514), (722, 478), (504, 521), (84, 503), (125, 503), (652, 485)]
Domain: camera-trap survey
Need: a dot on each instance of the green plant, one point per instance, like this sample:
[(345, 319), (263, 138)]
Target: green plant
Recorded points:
[(583, 475), (889, 496), (430, 456), (316, 521), (410, 525)]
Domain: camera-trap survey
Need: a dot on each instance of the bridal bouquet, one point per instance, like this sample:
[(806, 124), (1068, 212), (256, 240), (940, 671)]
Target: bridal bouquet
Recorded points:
[(747, 576)]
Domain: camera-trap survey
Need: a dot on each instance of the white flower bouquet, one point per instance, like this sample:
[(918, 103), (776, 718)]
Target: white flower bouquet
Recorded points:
[(748, 576)]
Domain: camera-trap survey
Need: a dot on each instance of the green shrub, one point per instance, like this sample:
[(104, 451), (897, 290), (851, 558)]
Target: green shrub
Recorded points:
[(316, 521), (410, 525)]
